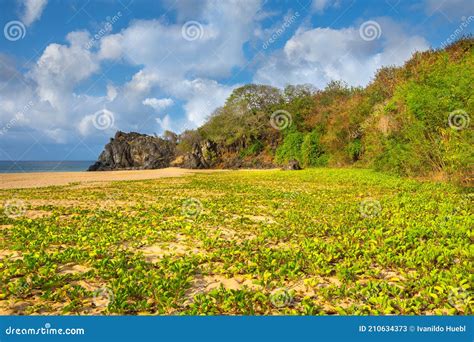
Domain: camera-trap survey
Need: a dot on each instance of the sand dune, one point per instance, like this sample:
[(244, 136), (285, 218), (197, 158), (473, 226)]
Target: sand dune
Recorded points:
[(42, 179)]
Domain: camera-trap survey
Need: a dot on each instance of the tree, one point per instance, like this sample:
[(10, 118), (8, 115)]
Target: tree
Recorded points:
[(255, 97), (187, 139), (244, 117)]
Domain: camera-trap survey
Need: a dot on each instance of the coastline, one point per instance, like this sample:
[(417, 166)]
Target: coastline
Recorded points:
[(44, 179), (36, 166)]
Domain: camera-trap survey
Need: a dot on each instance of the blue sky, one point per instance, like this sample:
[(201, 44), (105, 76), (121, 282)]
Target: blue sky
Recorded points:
[(74, 72)]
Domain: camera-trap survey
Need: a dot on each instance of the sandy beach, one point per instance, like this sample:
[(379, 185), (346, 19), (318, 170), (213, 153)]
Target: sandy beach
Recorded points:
[(42, 179)]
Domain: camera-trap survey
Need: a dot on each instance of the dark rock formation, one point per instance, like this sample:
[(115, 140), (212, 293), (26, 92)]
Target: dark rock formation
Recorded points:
[(204, 155), (293, 165), (135, 151)]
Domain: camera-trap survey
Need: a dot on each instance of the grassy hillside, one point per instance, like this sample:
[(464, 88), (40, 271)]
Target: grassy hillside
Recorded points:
[(412, 120), (319, 241)]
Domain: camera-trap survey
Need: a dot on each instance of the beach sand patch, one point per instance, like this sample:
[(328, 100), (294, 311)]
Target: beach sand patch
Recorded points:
[(35, 214), (73, 269), (10, 255), (157, 251), (205, 283)]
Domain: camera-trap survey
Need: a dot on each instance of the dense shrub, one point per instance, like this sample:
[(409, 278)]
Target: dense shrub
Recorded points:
[(426, 140), (312, 151), (290, 149), (354, 149)]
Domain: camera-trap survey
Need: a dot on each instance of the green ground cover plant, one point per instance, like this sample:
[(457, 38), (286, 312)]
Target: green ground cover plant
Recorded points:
[(311, 242)]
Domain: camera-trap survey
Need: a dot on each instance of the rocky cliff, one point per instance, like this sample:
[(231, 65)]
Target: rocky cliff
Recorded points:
[(204, 155), (135, 151)]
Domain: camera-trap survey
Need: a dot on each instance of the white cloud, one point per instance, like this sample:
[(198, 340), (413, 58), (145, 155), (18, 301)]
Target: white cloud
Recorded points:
[(86, 125), (111, 92), (186, 9), (17, 97), (102, 120), (158, 104), (142, 82), (320, 55), (61, 67), (111, 47), (202, 96), (181, 68), (165, 123), (161, 46), (28, 117), (319, 6), (57, 134), (32, 10)]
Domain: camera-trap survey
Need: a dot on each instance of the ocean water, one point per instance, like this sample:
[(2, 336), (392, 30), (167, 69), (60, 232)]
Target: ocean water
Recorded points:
[(44, 166)]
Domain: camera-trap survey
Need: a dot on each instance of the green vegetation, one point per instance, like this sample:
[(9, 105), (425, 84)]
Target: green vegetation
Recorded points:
[(312, 153), (305, 148), (317, 241), (290, 148), (412, 120)]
